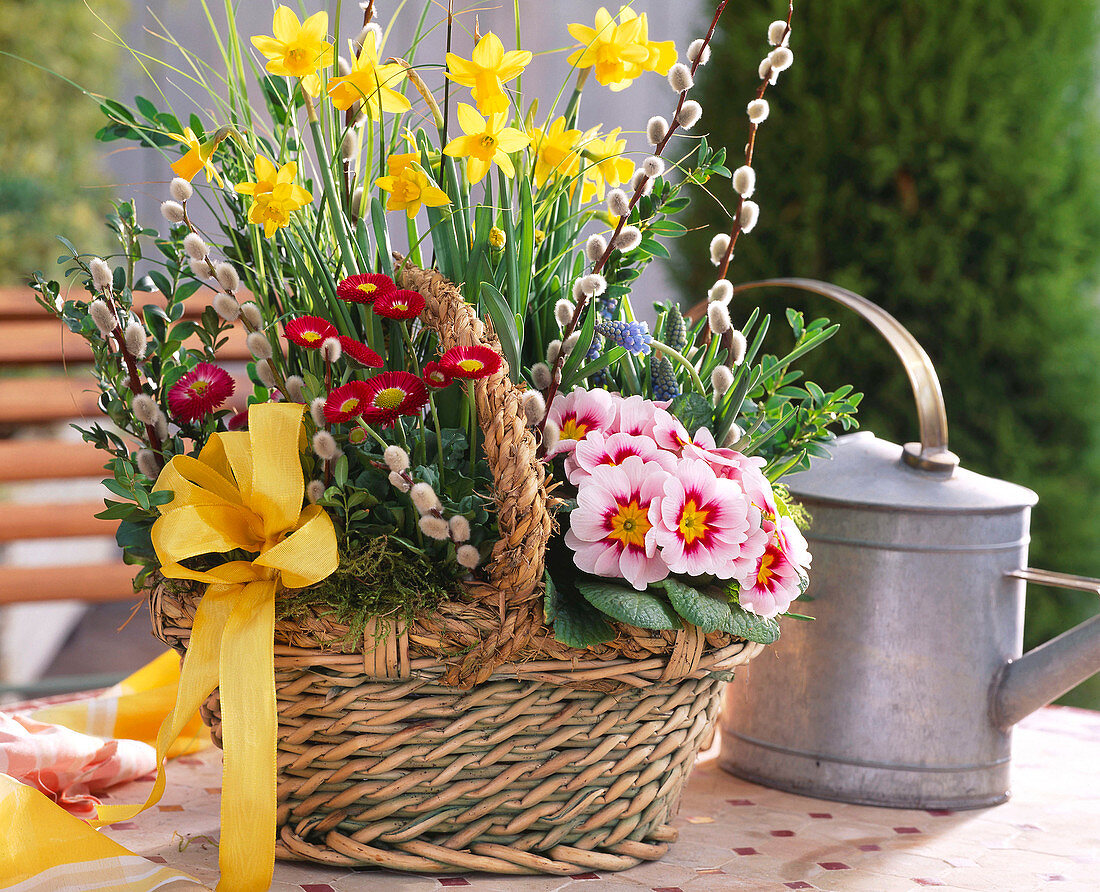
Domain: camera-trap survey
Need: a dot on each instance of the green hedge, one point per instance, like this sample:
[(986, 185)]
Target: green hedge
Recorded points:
[(49, 161), (943, 159)]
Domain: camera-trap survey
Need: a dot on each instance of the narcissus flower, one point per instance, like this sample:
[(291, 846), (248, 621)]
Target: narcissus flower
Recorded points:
[(310, 331), (435, 375), (487, 72), (702, 523), (485, 141), (611, 531), (470, 362), (199, 392), (370, 82), (609, 166), (360, 353), (410, 188), (555, 151), (612, 49), (399, 304), (364, 288), (346, 402), (661, 55), (390, 395), (296, 49), (275, 195), (577, 414), (197, 157)]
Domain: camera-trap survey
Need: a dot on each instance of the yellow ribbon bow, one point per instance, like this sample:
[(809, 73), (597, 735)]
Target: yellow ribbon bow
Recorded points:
[(243, 492)]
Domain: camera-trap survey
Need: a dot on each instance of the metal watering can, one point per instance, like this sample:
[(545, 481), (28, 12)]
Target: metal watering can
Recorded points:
[(904, 690)]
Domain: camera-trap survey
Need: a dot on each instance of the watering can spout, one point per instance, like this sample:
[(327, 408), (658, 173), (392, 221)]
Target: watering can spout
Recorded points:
[(1050, 670)]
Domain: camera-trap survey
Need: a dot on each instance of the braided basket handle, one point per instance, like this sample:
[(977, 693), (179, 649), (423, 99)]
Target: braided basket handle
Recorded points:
[(516, 565)]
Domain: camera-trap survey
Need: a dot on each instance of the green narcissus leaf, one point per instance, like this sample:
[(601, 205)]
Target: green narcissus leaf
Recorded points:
[(629, 606)]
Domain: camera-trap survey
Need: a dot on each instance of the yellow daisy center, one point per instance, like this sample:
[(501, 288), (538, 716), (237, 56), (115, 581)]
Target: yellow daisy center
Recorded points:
[(471, 365), (693, 522), (367, 287), (350, 404), (630, 524), (310, 336), (390, 398), (199, 387)]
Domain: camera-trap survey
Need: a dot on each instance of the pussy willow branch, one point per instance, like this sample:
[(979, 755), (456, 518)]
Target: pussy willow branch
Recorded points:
[(639, 190), (130, 362), (750, 147)]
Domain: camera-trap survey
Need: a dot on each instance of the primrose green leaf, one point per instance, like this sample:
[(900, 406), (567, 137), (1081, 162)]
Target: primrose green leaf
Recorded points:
[(640, 609)]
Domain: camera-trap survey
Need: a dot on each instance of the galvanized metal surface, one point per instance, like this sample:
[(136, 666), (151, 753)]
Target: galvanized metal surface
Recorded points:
[(888, 697)]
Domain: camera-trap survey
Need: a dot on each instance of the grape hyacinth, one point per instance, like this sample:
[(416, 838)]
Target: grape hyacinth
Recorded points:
[(663, 379), (675, 330), (634, 337), (600, 378)]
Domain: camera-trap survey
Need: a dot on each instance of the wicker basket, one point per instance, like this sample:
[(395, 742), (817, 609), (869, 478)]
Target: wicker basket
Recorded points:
[(473, 740)]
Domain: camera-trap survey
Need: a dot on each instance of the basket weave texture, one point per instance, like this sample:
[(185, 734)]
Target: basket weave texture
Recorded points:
[(473, 740)]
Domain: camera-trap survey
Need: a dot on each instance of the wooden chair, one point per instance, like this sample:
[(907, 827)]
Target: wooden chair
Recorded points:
[(45, 384)]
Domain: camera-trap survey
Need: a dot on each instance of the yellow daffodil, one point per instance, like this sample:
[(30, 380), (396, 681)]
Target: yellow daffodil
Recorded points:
[(555, 151), (296, 49), (487, 72), (410, 187), (608, 166), (275, 195), (612, 49), (197, 157), (396, 164), (485, 141), (370, 82), (661, 55)]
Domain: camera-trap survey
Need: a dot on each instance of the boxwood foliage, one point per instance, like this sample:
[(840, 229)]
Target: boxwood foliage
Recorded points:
[(942, 159)]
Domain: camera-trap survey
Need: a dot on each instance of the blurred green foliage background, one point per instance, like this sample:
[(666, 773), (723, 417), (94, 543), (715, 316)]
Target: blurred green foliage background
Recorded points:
[(943, 160), (49, 163)]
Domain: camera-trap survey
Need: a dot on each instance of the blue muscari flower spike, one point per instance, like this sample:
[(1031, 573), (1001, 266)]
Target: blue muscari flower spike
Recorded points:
[(601, 378), (607, 307), (634, 337), (663, 379)]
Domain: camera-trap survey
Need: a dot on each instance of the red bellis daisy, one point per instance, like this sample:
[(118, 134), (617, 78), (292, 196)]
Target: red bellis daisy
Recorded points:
[(434, 376), (401, 304), (310, 331), (365, 288), (470, 362), (344, 403), (360, 353), (391, 395), (199, 392)]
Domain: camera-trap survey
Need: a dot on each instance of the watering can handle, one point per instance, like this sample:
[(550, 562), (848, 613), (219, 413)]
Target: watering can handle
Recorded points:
[(931, 453)]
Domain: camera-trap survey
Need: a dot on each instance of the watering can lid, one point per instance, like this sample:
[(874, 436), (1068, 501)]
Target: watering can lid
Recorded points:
[(864, 470)]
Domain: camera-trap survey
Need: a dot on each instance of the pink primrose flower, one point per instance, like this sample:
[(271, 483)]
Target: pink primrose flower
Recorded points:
[(773, 580), (577, 414), (635, 415), (611, 530), (601, 449), (745, 471), (703, 522)]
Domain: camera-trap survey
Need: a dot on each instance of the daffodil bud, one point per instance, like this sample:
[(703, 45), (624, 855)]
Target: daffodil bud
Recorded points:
[(172, 211), (689, 114)]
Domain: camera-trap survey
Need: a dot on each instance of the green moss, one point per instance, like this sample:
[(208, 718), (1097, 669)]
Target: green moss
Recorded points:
[(383, 581)]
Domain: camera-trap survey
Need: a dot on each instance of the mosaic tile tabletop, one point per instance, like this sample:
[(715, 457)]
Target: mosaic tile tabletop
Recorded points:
[(737, 835)]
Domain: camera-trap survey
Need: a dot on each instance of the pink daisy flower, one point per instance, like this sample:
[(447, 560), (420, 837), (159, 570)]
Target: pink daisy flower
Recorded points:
[(199, 392), (435, 376), (610, 531), (310, 331), (360, 353), (577, 414), (703, 522), (399, 304), (599, 448), (389, 395), (345, 402), (473, 362), (773, 580)]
